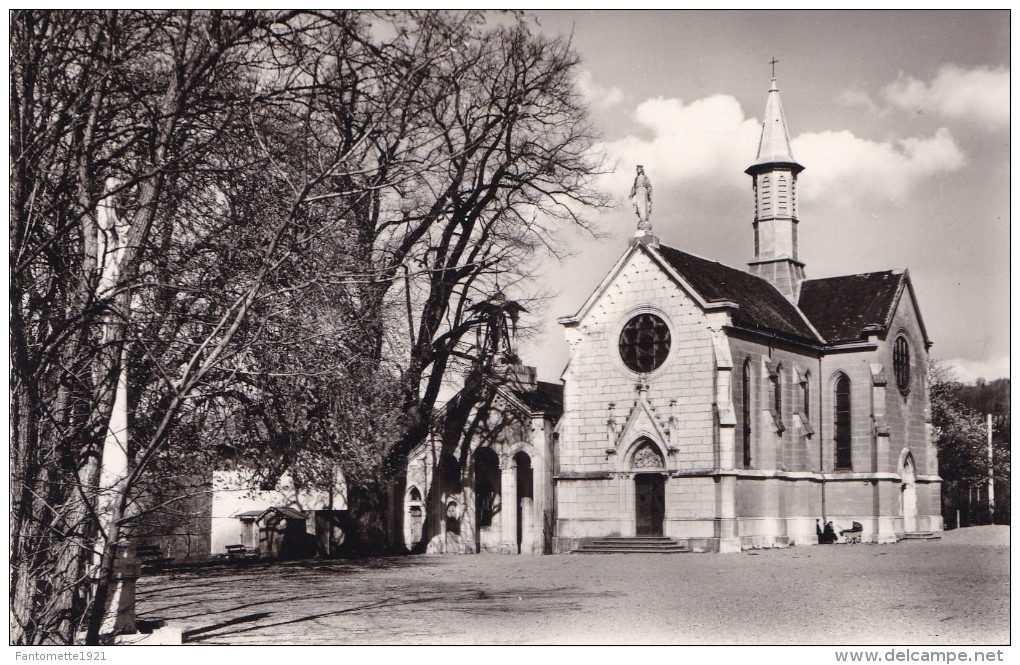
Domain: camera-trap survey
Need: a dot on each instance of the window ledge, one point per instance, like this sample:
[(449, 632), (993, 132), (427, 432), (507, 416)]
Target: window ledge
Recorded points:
[(777, 421), (805, 424)]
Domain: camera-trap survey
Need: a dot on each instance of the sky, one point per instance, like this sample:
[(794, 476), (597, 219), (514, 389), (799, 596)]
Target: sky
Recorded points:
[(900, 118)]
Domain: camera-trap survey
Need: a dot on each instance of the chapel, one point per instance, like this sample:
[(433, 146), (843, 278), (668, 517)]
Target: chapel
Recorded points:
[(712, 407)]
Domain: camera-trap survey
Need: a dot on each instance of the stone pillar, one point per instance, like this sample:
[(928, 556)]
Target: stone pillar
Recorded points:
[(620, 480), (885, 506), (726, 488), (729, 541), (468, 519), (113, 470), (508, 481), (119, 614), (726, 525), (440, 512), (527, 525), (111, 237), (541, 481)]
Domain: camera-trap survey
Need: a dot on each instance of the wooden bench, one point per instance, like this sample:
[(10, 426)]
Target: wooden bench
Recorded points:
[(152, 558), (241, 553)]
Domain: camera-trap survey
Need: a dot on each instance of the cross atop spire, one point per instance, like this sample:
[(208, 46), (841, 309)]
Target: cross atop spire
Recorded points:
[(773, 62), (774, 146)]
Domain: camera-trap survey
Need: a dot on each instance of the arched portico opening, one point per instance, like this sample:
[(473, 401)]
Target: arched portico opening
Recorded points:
[(488, 492), (414, 520), (450, 494)]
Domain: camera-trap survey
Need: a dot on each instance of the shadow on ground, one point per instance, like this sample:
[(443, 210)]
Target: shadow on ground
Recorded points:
[(950, 591), (330, 600)]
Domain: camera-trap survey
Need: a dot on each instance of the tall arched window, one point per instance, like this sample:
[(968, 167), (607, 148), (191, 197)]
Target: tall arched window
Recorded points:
[(766, 197), (901, 364), (777, 389), (807, 395), (841, 427), (746, 411)]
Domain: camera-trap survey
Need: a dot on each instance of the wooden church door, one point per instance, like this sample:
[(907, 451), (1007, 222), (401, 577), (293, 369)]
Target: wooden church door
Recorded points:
[(650, 503)]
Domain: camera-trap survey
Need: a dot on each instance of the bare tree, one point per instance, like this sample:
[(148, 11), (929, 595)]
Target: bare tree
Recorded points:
[(236, 169), (493, 160), (115, 112), (450, 153)]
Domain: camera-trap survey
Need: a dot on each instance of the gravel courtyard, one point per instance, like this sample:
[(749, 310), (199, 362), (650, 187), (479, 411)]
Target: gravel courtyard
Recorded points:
[(950, 591)]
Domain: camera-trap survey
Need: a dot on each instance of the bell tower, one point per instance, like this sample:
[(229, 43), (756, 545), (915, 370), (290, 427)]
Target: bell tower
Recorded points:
[(774, 177)]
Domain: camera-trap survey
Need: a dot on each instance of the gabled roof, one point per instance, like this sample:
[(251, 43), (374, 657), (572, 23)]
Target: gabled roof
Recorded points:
[(842, 307), (284, 511), (545, 397), (760, 306), (832, 310)]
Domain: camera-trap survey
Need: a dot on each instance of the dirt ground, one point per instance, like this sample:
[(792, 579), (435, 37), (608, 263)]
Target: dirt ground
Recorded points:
[(950, 591)]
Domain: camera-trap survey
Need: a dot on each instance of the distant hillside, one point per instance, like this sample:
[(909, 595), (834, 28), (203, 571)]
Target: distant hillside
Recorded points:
[(987, 397)]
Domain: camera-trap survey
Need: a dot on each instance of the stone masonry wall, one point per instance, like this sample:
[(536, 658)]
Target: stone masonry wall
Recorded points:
[(793, 449), (907, 415), (600, 388)]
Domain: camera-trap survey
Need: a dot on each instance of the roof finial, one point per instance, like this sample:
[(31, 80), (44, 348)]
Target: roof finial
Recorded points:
[(773, 62)]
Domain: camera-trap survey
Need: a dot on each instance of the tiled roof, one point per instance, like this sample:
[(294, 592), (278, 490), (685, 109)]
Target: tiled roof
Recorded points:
[(289, 513), (841, 307), (760, 307)]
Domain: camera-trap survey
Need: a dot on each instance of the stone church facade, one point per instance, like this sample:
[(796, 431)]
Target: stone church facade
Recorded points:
[(724, 408)]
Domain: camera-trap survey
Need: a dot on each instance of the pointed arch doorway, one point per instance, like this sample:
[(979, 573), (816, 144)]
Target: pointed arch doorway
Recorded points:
[(649, 489)]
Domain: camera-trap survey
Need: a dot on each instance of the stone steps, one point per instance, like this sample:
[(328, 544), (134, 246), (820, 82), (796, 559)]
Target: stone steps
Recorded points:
[(921, 535), (637, 545)]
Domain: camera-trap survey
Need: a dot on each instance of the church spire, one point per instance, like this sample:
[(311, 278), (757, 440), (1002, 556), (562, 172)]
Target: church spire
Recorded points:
[(774, 145), (774, 176)]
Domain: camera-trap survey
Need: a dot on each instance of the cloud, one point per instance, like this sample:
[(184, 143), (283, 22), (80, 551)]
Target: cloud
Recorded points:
[(597, 95), (855, 97), (979, 95), (846, 169), (710, 141), (967, 370)]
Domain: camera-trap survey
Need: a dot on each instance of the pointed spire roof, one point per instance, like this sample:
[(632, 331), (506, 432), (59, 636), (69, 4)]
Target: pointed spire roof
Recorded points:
[(774, 146)]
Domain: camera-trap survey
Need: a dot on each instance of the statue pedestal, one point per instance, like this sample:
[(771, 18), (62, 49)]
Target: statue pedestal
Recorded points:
[(644, 237)]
